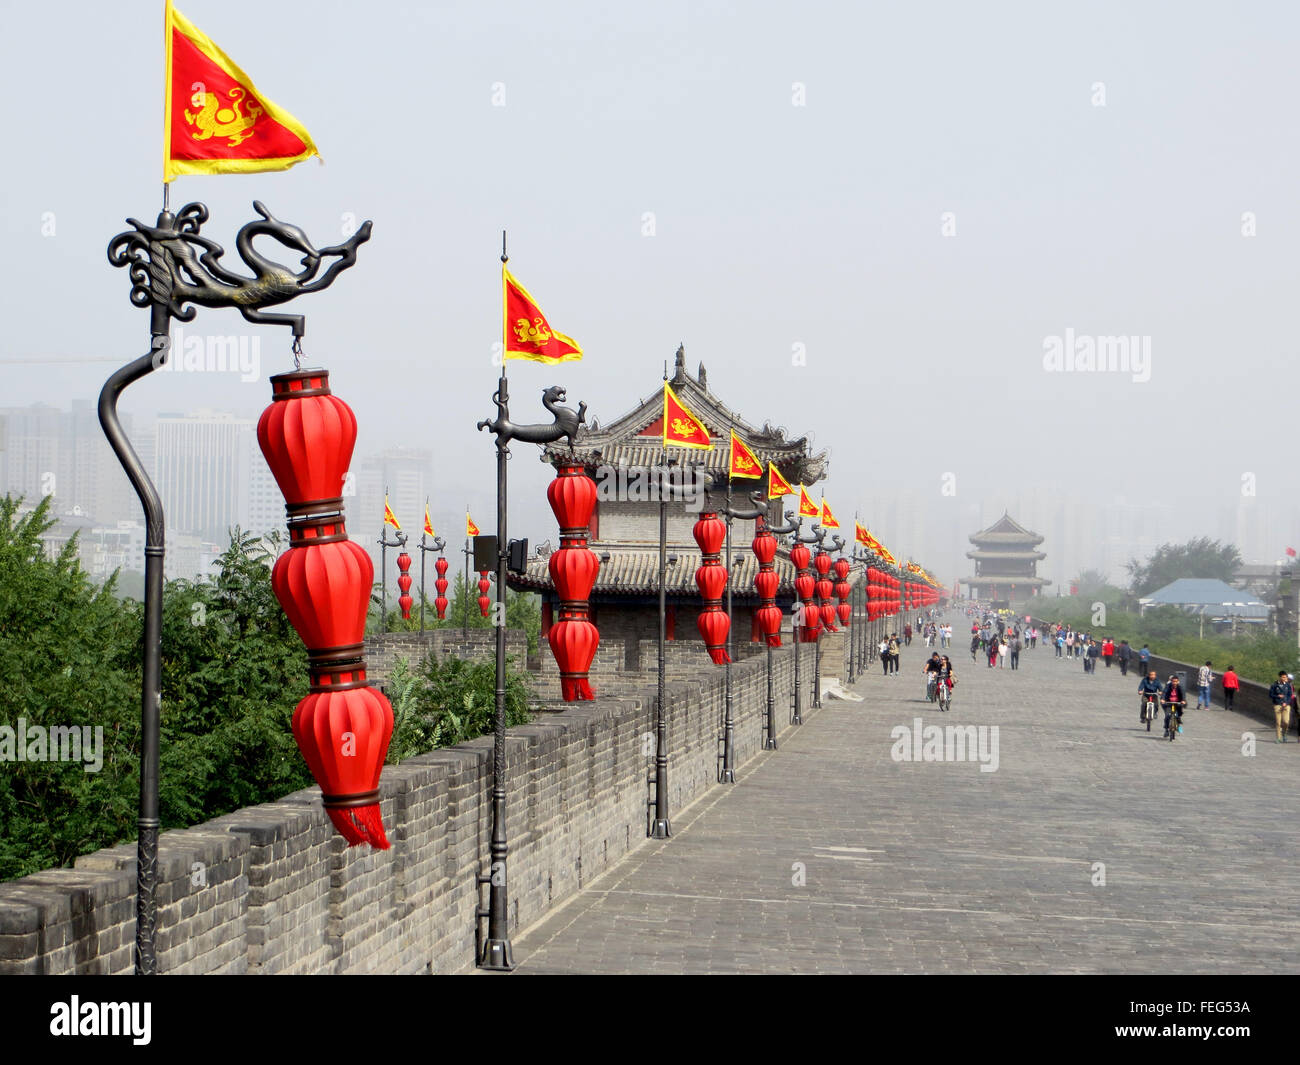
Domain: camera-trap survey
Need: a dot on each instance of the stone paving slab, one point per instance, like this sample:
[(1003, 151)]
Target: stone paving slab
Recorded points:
[(937, 866)]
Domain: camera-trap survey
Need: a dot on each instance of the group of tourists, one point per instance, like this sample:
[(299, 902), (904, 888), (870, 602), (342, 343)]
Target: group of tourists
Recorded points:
[(998, 641)]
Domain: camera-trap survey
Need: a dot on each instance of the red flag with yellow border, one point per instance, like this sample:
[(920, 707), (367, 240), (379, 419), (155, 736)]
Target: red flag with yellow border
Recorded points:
[(470, 528), (829, 521), (428, 522), (777, 486), (744, 463), (215, 119), (527, 333), (681, 427), (389, 517), (860, 534), (807, 508)]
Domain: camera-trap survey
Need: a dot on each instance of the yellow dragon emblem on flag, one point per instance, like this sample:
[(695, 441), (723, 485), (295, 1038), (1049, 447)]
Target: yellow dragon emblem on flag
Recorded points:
[(213, 120), (743, 462), (535, 332), (682, 427)]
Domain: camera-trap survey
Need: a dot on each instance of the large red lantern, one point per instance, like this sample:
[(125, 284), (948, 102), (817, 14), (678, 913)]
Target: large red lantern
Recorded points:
[(768, 614), (573, 569), (805, 585), (440, 604), (484, 583), (404, 600), (343, 726), (825, 590), (711, 579)]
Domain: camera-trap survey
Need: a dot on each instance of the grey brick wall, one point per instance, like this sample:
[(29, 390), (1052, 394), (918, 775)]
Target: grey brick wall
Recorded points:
[(273, 889)]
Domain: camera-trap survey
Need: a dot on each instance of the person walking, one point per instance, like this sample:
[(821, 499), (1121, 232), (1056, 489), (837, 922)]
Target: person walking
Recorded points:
[(974, 646), (1002, 652), (1060, 643), (1230, 685), (907, 634), (1017, 645), (893, 653), (1204, 678), (1144, 657), (1108, 650), (1069, 644), (992, 648), (1124, 654), (884, 655), (1094, 652), (1279, 694)]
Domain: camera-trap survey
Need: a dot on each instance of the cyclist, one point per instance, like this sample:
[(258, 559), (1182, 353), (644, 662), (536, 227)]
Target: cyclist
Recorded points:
[(1147, 687), (946, 681), (933, 671), (1174, 701)]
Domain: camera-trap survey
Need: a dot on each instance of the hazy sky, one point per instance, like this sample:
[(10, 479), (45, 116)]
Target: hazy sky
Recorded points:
[(775, 225)]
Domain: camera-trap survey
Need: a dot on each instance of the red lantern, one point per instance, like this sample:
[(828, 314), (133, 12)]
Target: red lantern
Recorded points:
[(404, 583), (484, 603), (573, 569), (799, 556), (825, 589), (768, 615), (711, 579), (440, 604), (343, 726)]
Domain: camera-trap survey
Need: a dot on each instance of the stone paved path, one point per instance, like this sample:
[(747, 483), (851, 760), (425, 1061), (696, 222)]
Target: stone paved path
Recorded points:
[(940, 867)]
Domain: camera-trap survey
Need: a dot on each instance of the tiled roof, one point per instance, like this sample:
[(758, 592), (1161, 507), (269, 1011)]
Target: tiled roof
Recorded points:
[(621, 441)]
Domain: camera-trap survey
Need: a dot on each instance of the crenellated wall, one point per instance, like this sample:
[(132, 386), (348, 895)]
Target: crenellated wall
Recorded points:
[(273, 889)]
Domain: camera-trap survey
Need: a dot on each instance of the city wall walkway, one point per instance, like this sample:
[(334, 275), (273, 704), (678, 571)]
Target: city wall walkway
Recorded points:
[(830, 856)]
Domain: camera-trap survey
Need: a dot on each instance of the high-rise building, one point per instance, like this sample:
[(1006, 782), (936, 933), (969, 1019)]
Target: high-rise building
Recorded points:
[(204, 471), (45, 451), (406, 474)]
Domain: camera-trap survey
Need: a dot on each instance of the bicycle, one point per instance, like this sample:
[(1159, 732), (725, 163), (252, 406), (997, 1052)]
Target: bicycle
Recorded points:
[(945, 696), (1174, 720), (1149, 710), (930, 693)]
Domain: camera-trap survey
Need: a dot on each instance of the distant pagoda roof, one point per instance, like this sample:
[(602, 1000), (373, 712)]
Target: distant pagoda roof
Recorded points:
[(1007, 556), (1005, 580), (1006, 531), (636, 438)]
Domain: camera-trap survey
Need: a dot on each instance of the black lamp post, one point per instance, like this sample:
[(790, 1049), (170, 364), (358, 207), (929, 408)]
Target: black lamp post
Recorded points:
[(814, 536), (660, 827), (727, 766), (791, 525), (172, 268), (399, 540), (438, 544), (495, 952)]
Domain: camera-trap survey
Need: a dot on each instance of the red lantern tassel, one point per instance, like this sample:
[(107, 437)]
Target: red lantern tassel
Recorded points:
[(774, 640), (360, 824), (719, 656)]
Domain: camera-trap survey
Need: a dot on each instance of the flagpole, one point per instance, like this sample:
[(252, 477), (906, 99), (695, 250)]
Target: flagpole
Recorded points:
[(728, 774), (496, 952), (660, 828)]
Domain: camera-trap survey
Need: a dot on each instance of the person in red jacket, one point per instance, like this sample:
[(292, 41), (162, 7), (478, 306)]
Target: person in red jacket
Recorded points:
[(1230, 686), (1108, 650)]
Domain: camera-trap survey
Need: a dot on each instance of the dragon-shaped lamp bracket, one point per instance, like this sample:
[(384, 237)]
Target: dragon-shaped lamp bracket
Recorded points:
[(173, 266), (565, 424)]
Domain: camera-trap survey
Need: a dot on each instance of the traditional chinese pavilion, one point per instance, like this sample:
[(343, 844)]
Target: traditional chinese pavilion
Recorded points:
[(625, 525), (1006, 560)]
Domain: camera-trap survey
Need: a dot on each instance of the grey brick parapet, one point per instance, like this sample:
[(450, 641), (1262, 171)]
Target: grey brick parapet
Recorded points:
[(273, 889)]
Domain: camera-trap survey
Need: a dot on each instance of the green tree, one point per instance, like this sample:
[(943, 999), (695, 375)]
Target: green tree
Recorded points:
[(1199, 557), (233, 671), (68, 657)]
